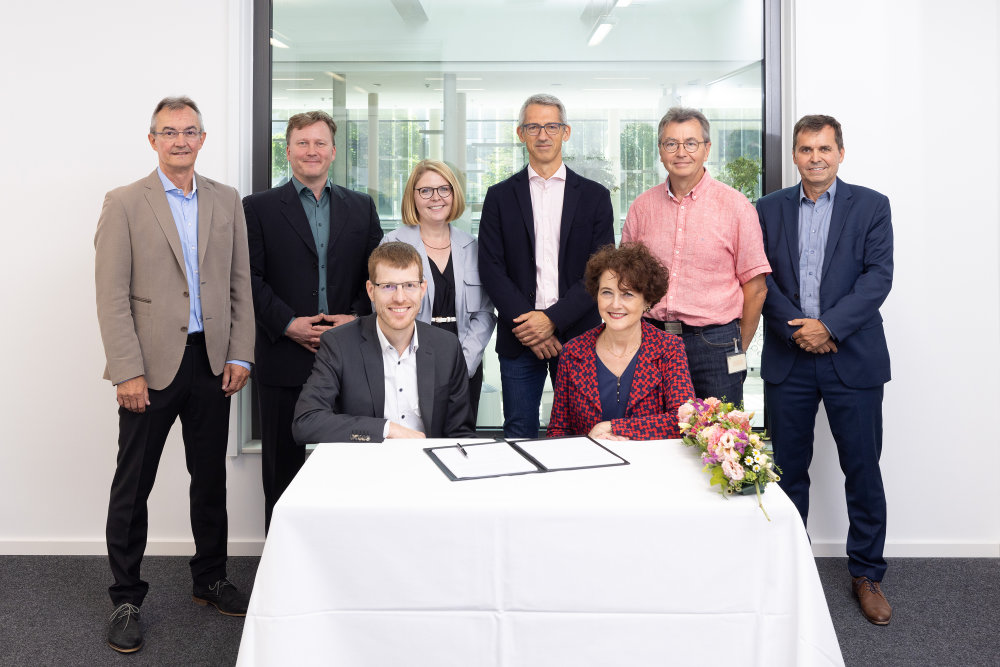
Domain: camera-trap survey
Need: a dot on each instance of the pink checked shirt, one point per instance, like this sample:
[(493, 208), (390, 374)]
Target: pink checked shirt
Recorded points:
[(546, 207), (710, 243)]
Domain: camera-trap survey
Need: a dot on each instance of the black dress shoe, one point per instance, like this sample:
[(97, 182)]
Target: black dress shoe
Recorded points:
[(124, 631), (224, 596)]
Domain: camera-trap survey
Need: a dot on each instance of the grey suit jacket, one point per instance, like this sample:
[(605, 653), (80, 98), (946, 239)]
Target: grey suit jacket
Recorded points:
[(473, 308), (142, 292), (344, 398)]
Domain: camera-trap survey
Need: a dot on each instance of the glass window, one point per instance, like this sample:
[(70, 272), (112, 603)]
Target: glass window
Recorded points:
[(444, 79)]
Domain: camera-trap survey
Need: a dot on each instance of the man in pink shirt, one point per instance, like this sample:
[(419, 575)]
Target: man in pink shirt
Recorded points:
[(708, 237)]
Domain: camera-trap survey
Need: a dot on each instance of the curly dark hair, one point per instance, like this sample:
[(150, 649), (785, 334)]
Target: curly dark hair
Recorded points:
[(636, 268)]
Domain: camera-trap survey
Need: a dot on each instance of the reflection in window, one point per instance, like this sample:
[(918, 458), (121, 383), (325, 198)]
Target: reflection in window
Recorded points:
[(416, 79)]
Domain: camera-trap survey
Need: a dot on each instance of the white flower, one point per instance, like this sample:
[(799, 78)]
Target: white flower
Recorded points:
[(756, 468)]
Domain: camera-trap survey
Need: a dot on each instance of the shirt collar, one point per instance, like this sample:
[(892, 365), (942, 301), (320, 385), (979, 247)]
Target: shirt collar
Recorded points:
[(697, 190), (168, 186), (831, 191), (299, 187), (560, 173), (387, 346)]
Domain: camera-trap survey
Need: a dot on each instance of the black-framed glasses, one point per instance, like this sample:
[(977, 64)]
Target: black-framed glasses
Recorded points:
[(173, 134), (444, 191), (409, 287), (690, 145), (551, 129)]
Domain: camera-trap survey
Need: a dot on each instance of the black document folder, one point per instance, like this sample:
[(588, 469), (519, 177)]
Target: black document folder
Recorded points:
[(521, 457)]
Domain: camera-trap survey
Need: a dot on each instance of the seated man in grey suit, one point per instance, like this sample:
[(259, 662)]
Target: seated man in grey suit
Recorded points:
[(386, 375)]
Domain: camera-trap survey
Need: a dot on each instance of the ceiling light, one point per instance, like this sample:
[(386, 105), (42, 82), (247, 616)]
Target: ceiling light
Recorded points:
[(334, 75), (278, 44), (601, 29)]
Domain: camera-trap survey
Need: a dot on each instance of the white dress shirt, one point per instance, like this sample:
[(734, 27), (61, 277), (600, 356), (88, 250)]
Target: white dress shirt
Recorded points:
[(546, 208), (400, 373)]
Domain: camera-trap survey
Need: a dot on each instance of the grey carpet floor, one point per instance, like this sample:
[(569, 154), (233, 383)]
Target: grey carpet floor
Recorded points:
[(54, 611)]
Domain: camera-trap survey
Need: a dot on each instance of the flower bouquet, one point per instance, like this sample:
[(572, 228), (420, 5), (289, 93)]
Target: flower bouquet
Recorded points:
[(733, 455)]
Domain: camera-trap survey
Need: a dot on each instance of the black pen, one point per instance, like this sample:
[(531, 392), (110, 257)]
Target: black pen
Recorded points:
[(462, 449)]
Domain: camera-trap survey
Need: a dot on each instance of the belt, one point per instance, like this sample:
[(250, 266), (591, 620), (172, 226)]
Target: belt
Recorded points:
[(678, 327), (196, 339), (444, 319)]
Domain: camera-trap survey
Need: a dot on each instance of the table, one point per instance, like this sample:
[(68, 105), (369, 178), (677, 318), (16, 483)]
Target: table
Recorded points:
[(375, 558)]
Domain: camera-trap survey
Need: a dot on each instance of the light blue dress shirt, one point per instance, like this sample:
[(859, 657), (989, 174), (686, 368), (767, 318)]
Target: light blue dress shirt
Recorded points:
[(184, 208), (814, 228)]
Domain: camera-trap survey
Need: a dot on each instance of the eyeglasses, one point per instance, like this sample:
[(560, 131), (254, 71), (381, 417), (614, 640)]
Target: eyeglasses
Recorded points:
[(551, 129), (444, 191), (390, 288), (173, 134), (690, 145)]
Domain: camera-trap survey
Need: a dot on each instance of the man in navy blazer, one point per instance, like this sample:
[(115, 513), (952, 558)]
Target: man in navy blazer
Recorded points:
[(309, 244), (537, 231), (830, 249)]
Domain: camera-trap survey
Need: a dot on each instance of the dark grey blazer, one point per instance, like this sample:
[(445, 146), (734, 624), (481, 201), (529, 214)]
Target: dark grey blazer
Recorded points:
[(344, 398)]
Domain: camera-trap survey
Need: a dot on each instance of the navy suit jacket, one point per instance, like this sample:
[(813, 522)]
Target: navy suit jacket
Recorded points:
[(857, 276), (284, 271), (507, 254), (344, 398)]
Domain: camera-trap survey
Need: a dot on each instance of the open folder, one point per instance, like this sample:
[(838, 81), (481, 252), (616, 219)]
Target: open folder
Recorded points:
[(496, 459)]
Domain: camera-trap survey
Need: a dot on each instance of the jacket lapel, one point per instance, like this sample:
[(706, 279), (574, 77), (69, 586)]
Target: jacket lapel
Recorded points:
[(571, 197), (588, 374), (522, 192), (371, 355), (338, 217), (291, 208), (841, 207), (425, 385), (206, 203), (644, 378), (157, 200), (790, 217)]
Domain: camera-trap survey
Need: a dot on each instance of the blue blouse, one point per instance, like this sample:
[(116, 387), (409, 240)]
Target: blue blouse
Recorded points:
[(614, 390)]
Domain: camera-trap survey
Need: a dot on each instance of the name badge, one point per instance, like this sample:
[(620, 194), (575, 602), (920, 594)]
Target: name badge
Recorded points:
[(736, 360)]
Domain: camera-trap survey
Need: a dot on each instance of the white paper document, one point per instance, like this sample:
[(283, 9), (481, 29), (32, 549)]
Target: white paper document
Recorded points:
[(566, 453), (485, 460)]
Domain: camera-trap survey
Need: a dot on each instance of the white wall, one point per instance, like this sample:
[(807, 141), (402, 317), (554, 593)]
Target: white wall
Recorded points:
[(915, 87), (79, 83), (78, 87)]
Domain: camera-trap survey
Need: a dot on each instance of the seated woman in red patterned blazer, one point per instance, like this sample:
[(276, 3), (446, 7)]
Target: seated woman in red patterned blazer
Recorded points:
[(625, 379)]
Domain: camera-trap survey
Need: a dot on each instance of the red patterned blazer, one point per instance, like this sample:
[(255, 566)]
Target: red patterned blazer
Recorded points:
[(660, 385)]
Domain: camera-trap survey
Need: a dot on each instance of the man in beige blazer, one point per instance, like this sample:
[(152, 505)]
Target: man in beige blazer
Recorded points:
[(176, 316)]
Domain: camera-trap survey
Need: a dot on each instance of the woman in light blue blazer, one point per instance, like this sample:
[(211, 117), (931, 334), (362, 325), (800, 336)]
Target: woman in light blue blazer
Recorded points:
[(455, 298)]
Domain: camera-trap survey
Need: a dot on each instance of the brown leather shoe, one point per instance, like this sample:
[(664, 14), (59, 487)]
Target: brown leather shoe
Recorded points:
[(873, 603)]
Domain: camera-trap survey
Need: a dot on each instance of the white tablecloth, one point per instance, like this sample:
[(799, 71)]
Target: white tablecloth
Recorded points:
[(375, 558)]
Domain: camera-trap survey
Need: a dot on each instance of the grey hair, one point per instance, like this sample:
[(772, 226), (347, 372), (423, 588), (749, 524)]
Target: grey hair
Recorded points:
[(545, 100), (683, 115), (175, 104)]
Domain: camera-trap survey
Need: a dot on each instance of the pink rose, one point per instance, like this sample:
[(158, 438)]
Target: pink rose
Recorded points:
[(732, 470), (741, 419), (711, 435), (685, 412)]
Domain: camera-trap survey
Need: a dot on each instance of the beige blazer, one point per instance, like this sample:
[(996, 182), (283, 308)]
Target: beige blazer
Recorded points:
[(142, 292)]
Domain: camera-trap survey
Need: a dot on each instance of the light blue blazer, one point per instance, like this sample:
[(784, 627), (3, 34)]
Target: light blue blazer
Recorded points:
[(473, 307)]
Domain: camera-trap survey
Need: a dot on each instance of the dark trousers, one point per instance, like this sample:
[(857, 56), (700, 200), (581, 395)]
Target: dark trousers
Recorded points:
[(196, 396), (855, 417), (281, 456), (522, 380), (475, 389)]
